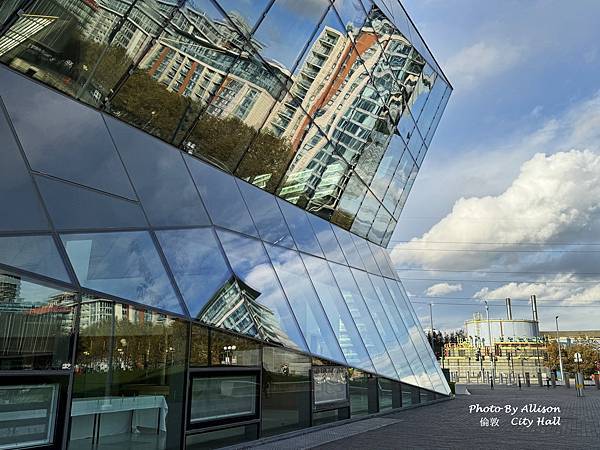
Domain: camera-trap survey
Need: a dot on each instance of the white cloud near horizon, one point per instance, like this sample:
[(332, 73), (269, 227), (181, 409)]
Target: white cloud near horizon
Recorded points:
[(442, 289)]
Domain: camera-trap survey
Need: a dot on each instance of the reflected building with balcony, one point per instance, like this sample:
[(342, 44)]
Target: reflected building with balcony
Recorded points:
[(199, 196)]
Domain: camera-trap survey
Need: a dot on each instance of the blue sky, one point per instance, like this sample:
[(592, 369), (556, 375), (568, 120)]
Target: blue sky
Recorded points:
[(520, 144)]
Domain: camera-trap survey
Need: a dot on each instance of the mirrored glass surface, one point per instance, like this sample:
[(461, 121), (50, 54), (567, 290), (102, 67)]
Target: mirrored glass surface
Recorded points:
[(160, 177), (23, 210), (200, 270), (365, 253), (231, 350), (267, 216), (242, 13), (382, 259), (37, 254), (414, 332), (37, 323), (382, 324), (434, 99), (382, 178), (63, 138), (261, 307), (438, 116), (363, 320), (222, 197), (75, 207), (365, 215), (299, 226), (350, 202), (399, 180), (337, 312), (380, 225), (421, 91), (347, 243), (124, 264), (327, 239), (305, 303)]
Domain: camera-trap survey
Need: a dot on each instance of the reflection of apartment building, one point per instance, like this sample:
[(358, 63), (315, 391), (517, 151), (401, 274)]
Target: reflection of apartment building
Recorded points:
[(97, 310)]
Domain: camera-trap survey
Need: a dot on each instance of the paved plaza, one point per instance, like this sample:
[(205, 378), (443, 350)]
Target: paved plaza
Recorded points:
[(450, 425)]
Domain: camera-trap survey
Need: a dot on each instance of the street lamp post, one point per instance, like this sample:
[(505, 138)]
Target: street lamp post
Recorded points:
[(562, 377)]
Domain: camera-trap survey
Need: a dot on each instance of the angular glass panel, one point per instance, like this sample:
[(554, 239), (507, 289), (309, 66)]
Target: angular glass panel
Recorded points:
[(363, 320), (300, 227), (350, 202), (222, 197), (399, 328), (338, 314), (261, 307), (430, 108), (359, 392), (160, 178), (37, 254), (327, 239), (131, 377), (124, 264), (384, 389), (352, 13), (200, 270), (7, 8), (366, 215), (199, 346), (21, 205), (382, 260), (275, 43), (386, 169), (416, 144), (305, 304), (62, 138), (408, 186), (70, 46), (242, 13), (389, 232), (383, 325), (37, 324), (421, 91), (230, 350), (365, 253), (431, 131), (380, 225), (348, 247), (286, 393), (266, 215), (76, 207), (399, 180), (417, 363)]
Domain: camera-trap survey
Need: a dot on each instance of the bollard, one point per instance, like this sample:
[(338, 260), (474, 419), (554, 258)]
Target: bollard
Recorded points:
[(567, 379), (539, 377), (527, 379), (553, 379), (579, 384), (519, 382)]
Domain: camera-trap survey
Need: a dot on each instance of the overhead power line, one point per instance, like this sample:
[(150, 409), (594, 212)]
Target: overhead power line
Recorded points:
[(502, 281), (496, 243), (501, 306), (487, 250), (498, 272)]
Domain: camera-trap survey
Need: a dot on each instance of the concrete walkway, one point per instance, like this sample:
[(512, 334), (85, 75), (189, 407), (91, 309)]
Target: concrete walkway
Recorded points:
[(450, 425)]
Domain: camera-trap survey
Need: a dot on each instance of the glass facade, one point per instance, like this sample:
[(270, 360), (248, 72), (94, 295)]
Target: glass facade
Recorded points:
[(196, 209)]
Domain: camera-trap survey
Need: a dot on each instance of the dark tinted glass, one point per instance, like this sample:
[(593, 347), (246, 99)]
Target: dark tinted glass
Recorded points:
[(63, 138), (338, 314), (305, 303), (222, 197), (267, 215), (37, 324), (261, 308), (131, 362), (37, 254), (124, 264), (199, 346), (359, 392), (22, 208), (199, 267), (327, 239), (286, 401), (230, 350), (75, 207), (384, 389), (160, 177), (300, 227)]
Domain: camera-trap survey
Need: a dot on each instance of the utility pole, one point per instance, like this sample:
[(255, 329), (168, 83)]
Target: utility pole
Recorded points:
[(562, 377), (487, 314)]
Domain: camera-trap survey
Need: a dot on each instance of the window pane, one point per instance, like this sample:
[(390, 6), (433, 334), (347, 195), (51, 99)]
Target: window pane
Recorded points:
[(36, 323), (350, 202), (130, 371), (199, 267), (36, 254), (327, 239), (286, 391), (267, 216), (74, 207), (62, 138), (124, 264), (384, 388), (383, 260), (222, 197), (32, 425), (223, 397), (363, 320), (222, 438), (348, 247), (230, 350), (305, 304), (337, 312), (199, 346), (22, 207), (330, 385), (365, 253), (299, 226), (160, 177), (262, 309), (359, 393)]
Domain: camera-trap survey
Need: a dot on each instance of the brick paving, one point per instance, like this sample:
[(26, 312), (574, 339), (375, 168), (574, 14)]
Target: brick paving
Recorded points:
[(448, 425)]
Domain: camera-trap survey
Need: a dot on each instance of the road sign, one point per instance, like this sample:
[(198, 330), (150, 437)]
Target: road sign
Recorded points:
[(577, 357)]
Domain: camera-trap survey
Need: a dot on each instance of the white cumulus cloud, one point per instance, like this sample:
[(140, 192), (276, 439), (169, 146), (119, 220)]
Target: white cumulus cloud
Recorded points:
[(442, 289)]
